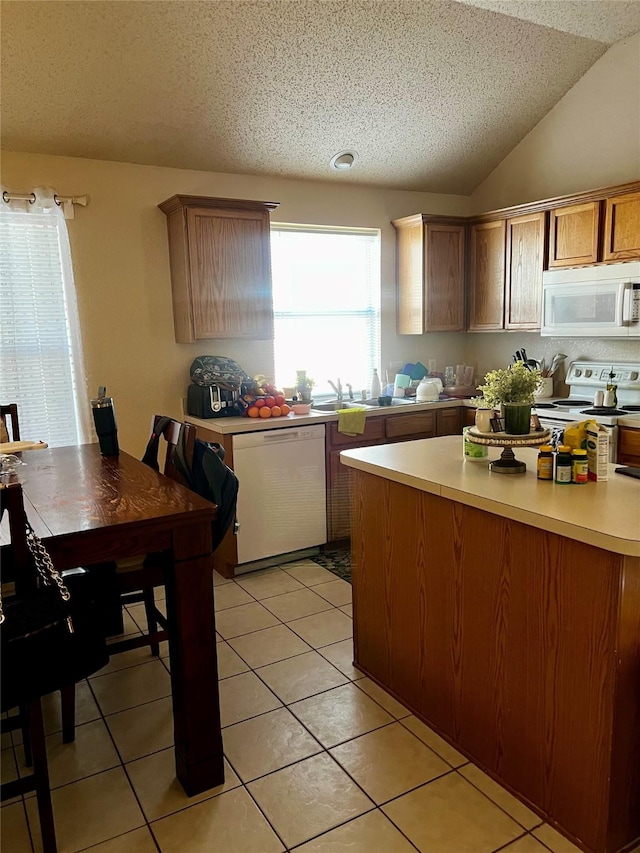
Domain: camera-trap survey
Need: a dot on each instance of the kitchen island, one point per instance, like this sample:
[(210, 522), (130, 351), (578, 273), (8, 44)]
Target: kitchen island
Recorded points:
[(505, 612)]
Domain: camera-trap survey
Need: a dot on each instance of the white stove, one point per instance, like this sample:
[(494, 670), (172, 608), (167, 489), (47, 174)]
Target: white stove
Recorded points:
[(584, 379)]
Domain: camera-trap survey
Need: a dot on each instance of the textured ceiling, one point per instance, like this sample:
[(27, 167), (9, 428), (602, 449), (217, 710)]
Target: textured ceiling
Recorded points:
[(603, 20), (431, 94)]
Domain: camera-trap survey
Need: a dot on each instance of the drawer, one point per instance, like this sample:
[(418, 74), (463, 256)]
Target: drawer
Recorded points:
[(373, 431), (417, 423)]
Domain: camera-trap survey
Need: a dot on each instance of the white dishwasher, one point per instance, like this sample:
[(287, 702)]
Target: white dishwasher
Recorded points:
[(282, 491)]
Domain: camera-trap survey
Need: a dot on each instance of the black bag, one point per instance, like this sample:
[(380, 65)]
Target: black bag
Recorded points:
[(48, 638), (219, 370), (207, 475)]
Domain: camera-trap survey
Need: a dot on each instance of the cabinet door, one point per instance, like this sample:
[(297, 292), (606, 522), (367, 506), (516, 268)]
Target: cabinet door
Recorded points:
[(622, 228), (410, 284), (573, 235), (486, 276), (469, 416), (338, 499), (444, 277), (230, 281), (525, 253), (449, 421), (628, 446)]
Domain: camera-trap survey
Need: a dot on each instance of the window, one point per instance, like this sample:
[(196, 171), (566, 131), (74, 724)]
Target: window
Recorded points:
[(326, 301), (40, 354)]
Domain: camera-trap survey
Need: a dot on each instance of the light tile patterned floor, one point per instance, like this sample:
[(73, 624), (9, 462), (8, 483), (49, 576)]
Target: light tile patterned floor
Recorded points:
[(319, 758)]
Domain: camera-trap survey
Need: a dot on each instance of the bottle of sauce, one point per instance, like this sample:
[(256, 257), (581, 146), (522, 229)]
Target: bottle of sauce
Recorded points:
[(579, 466), (545, 462), (563, 465)]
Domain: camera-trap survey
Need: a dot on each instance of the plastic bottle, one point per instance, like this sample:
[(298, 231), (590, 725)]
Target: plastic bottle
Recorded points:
[(545, 462), (579, 466), (563, 465), (376, 388)]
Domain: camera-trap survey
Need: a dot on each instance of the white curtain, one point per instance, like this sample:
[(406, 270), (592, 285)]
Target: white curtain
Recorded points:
[(41, 362)]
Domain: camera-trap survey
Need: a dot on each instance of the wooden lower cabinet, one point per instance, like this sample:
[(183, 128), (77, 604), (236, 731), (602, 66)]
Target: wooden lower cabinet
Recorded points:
[(449, 421), (628, 446), (526, 661), (379, 429)]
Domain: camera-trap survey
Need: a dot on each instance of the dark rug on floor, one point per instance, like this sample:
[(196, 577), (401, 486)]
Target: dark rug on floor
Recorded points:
[(338, 562)]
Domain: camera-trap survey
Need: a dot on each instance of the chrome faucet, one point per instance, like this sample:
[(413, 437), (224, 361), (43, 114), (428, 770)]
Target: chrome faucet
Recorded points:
[(337, 388), (350, 387)]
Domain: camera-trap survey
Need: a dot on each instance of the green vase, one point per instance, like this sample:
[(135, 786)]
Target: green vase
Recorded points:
[(517, 418)]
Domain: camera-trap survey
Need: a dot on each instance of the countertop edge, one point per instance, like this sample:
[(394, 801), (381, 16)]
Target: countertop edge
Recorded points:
[(600, 539), (235, 426)]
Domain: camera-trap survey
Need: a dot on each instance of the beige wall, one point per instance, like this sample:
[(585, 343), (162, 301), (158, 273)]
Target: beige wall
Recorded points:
[(121, 265), (590, 139)]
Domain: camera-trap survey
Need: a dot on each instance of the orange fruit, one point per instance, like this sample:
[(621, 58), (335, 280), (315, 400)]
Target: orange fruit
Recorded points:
[(285, 409), (253, 411), (259, 403), (270, 401), (276, 411), (265, 412), (279, 399)]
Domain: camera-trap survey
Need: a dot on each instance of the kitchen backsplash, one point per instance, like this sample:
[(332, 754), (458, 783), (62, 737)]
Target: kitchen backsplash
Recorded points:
[(488, 351)]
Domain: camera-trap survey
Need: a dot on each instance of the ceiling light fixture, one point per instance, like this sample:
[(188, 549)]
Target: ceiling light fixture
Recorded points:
[(343, 160)]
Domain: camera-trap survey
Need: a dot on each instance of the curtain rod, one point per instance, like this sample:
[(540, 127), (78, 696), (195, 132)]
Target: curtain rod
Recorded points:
[(64, 201)]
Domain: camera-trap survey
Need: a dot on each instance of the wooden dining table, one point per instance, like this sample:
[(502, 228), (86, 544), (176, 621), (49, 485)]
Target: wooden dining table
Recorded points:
[(91, 509)]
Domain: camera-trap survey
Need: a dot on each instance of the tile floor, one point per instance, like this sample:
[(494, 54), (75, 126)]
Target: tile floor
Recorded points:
[(319, 759)]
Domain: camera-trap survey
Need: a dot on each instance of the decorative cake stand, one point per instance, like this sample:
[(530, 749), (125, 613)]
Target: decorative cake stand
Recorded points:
[(508, 464)]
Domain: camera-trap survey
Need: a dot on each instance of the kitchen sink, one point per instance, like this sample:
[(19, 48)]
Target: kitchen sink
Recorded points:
[(333, 406), (395, 401), (337, 405)]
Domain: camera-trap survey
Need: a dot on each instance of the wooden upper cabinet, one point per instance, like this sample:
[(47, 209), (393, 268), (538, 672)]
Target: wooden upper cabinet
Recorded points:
[(219, 251), (486, 275), (622, 228), (525, 262), (573, 235), (430, 268)]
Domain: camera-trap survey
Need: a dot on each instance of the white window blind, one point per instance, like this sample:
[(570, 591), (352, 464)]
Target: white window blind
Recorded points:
[(326, 302), (40, 359)]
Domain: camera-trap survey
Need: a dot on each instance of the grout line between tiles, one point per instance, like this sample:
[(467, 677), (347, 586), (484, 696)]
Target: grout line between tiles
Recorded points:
[(515, 820), (512, 841)]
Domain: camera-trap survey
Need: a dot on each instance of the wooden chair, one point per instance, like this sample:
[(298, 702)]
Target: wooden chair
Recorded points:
[(9, 415), (136, 581), (29, 716)]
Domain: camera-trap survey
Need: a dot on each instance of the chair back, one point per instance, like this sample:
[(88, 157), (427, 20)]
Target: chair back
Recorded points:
[(172, 435), (16, 562), (9, 415)]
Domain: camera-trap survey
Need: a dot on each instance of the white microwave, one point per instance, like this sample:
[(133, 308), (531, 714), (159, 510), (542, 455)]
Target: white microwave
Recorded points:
[(595, 302)]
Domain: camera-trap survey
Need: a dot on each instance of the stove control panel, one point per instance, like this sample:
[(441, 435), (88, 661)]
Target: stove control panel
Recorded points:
[(596, 375)]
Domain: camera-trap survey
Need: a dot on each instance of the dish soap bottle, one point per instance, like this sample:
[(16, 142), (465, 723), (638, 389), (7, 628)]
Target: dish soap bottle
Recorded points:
[(376, 388)]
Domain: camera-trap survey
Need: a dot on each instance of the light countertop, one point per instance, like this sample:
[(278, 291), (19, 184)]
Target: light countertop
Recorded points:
[(631, 421), (606, 515), (234, 426)]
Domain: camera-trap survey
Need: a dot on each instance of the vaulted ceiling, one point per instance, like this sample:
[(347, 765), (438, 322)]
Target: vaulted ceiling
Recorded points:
[(431, 94)]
